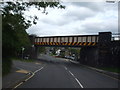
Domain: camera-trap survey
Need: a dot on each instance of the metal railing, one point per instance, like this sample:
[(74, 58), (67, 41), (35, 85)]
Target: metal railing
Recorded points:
[(115, 37)]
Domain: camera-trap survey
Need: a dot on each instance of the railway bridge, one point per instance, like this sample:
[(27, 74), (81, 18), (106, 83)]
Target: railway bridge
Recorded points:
[(95, 49)]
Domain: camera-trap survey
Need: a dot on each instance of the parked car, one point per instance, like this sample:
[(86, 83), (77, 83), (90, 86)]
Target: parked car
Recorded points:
[(27, 57), (72, 57), (67, 57)]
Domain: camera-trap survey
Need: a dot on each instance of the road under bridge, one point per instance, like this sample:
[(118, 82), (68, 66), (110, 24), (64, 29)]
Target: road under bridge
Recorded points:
[(95, 49)]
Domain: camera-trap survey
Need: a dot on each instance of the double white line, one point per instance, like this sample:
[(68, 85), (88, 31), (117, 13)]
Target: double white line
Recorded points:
[(74, 77)]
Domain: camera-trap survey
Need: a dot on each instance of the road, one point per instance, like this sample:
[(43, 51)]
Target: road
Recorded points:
[(61, 73)]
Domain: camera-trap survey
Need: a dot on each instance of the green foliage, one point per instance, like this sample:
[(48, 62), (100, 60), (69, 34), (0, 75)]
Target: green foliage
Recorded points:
[(41, 49), (74, 50), (54, 51), (14, 24), (22, 60), (14, 35), (62, 54), (6, 66), (111, 69)]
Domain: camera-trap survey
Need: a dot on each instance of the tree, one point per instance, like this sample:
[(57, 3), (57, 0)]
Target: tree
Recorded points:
[(75, 51), (14, 24)]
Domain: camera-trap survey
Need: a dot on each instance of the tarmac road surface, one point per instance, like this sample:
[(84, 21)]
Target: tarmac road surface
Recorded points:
[(61, 73)]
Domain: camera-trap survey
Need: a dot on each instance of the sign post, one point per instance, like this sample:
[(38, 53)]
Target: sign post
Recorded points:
[(22, 52)]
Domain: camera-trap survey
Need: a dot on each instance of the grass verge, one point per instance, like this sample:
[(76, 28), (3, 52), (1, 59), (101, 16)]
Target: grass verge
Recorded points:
[(111, 69), (23, 60)]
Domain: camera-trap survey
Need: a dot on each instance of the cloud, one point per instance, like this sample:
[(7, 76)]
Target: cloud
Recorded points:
[(77, 18), (95, 6), (93, 26), (78, 13)]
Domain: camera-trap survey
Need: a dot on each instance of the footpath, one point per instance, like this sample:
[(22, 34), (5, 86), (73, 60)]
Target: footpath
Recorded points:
[(20, 72), (111, 74)]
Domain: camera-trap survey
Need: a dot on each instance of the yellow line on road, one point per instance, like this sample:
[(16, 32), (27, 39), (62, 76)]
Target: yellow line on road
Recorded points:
[(38, 63), (33, 73), (22, 71)]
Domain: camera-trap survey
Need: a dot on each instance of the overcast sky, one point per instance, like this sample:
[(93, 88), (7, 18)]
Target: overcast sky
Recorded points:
[(77, 18)]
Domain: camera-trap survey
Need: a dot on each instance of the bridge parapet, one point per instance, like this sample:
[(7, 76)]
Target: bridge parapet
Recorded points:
[(101, 40), (77, 40)]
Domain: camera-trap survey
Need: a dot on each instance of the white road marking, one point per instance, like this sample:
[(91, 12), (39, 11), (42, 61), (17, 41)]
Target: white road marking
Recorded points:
[(65, 68), (28, 78), (17, 85), (72, 74), (74, 77), (79, 82), (38, 70)]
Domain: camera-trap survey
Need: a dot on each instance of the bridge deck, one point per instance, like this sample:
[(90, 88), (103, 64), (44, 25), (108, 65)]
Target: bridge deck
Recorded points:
[(79, 40)]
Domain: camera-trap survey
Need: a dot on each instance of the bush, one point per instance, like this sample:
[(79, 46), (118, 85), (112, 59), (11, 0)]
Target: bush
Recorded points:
[(6, 66)]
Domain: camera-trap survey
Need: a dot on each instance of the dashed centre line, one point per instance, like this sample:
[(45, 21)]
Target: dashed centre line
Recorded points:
[(79, 82), (65, 68), (72, 74), (74, 77)]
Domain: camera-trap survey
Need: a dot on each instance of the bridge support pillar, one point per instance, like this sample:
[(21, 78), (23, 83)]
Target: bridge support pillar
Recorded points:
[(98, 56), (89, 56), (33, 51), (104, 45), (36, 52)]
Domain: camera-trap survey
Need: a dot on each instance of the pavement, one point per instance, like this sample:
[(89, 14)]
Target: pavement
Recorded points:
[(13, 78), (19, 73)]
